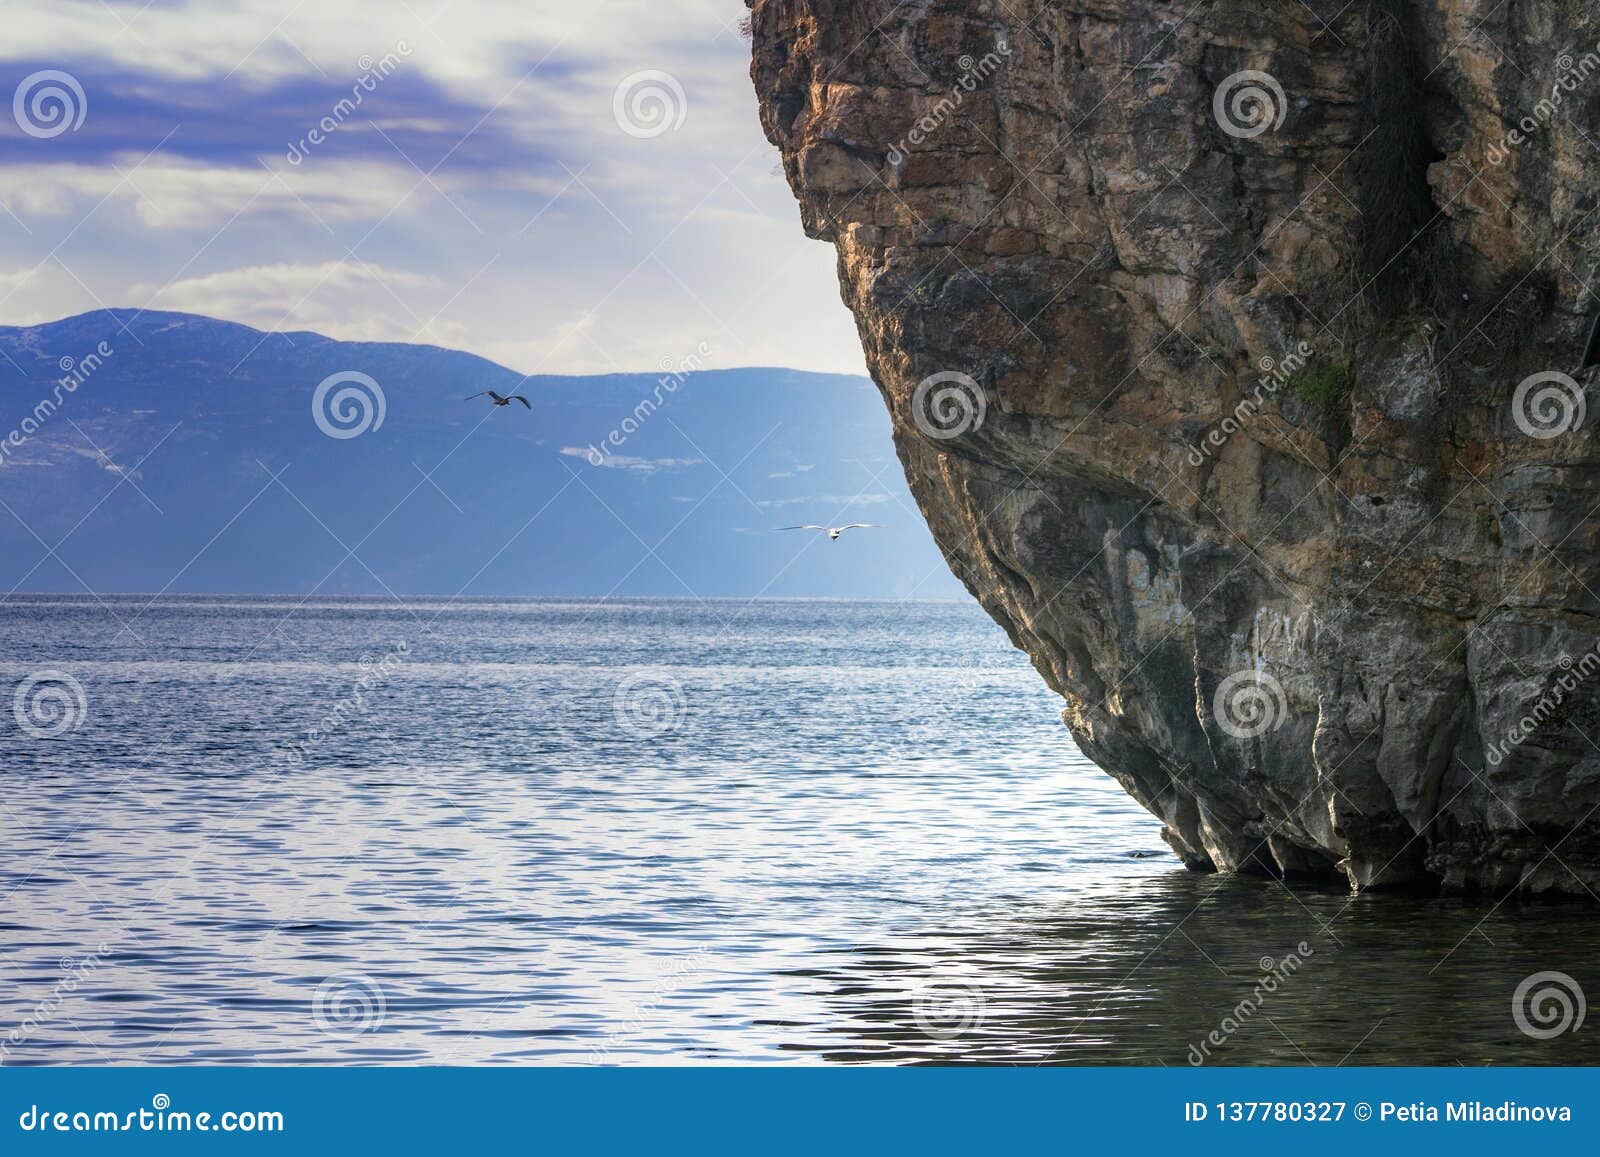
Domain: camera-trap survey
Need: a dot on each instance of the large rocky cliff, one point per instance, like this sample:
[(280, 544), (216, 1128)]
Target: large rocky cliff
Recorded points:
[(1236, 358)]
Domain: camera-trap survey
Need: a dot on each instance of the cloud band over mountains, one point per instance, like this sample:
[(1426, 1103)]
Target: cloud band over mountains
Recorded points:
[(479, 167)]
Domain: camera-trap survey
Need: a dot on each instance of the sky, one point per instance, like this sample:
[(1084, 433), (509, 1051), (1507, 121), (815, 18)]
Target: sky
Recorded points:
[(563, 186)]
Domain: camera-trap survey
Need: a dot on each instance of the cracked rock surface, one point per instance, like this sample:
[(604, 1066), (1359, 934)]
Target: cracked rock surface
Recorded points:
[(1227, 306)]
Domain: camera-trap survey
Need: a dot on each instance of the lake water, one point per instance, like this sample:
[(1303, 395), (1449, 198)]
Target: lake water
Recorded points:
[(568, 832)]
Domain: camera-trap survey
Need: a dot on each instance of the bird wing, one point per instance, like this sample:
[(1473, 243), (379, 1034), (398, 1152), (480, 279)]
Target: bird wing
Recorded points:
[(524, 401), (860, 525), (479, 394), (807, 526)]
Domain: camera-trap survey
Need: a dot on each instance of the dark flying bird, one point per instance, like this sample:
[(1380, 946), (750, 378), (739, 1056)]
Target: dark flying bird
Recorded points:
[(833, 532), (499, 400)]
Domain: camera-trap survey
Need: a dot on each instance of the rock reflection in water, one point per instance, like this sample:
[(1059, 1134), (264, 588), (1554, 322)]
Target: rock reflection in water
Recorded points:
[(1146, 972)]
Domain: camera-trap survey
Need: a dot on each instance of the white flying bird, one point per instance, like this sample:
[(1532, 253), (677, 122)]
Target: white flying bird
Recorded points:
[(833, 532), (500, 400)]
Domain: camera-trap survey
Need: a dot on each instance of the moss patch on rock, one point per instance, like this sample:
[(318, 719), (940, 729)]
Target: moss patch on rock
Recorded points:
[(1325, 386)]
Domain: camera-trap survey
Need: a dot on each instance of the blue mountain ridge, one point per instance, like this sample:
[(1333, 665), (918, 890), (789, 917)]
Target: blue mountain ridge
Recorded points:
[(156, 472)]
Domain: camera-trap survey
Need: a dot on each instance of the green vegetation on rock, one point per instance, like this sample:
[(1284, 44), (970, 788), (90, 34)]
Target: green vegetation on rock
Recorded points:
[(1325, 386)]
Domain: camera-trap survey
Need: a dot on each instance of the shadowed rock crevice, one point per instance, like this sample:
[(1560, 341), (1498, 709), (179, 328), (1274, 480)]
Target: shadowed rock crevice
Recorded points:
[(1404, 259)]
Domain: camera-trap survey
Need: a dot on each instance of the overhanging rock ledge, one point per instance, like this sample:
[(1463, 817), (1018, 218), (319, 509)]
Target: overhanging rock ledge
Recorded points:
[(1235, 360)]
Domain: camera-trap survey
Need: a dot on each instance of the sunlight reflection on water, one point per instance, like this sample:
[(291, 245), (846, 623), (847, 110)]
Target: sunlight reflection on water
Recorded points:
[(803, 832)]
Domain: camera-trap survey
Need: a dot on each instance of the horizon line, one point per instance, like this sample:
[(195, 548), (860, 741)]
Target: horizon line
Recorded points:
[(137, 312), (91, 597)]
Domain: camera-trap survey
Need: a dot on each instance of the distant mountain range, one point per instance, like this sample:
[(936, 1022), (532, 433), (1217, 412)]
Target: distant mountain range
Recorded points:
[(142, 452)]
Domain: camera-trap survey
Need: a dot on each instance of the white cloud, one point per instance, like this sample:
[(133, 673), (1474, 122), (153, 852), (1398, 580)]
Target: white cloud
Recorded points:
[(167, 192), (41, 293), (838, 500), (348, 300), (636, 465), (663, 242), (483, 45)]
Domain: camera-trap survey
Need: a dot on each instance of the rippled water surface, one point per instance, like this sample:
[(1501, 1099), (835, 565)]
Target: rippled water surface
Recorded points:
[(654, 831)]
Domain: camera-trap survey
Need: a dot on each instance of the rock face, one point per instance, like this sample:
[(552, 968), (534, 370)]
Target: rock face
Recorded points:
[(1206, 328)]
